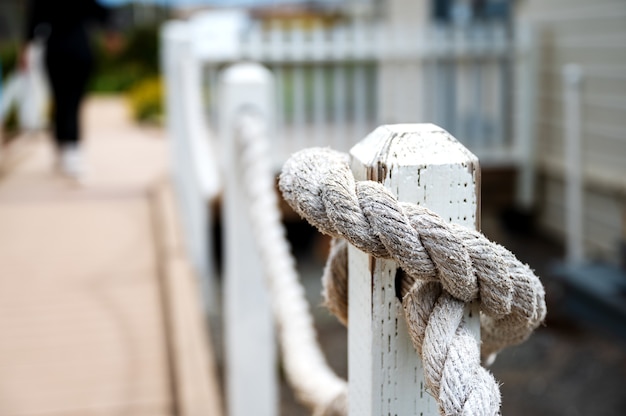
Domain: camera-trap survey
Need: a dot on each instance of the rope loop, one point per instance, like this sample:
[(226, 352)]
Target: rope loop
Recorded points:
[(443, 267), (314, 382)]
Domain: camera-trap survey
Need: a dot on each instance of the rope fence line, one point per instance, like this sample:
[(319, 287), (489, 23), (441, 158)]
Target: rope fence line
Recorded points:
[(442, 267), (318, 184), (307, 371)]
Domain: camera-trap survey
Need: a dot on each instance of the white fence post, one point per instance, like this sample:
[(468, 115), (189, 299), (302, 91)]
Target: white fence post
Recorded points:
[(420, 163), (574, 178), (251, 380), (194, 168), (527, 51)]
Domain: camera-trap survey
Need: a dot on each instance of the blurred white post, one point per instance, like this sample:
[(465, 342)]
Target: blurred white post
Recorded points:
[(251, 379), (574, 168), (525, 87), (359, 85), (340, 47), (420, 163), (299, 87), (194, 164), (463, 81), (319, 87), (400, 75)]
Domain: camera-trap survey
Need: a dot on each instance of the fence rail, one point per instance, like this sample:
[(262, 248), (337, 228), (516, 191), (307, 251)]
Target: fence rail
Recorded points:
[(335, 84)]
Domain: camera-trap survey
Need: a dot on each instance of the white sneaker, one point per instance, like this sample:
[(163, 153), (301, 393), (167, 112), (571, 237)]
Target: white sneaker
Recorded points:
[(71, 161)]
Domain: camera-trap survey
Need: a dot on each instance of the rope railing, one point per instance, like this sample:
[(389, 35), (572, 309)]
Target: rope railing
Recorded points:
[(443, 268), (313, 381)]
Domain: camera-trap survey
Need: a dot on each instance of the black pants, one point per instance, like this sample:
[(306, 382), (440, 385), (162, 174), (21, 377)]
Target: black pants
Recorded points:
[(68, 74)]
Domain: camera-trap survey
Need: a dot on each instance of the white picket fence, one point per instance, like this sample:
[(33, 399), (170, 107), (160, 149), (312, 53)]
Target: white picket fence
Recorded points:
[(335, 84), (332, 86)]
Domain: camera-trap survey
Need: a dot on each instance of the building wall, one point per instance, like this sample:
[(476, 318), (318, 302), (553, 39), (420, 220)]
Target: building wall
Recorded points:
[(593, 35)]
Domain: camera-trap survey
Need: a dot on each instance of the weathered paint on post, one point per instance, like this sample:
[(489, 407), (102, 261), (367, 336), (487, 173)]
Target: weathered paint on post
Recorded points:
[(424, 164)]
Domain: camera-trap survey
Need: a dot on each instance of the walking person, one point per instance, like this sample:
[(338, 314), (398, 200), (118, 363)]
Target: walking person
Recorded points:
[(69, 60)]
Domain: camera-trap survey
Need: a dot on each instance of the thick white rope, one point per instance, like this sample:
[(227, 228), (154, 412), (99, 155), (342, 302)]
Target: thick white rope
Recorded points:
[(313, 381), (444, 266)]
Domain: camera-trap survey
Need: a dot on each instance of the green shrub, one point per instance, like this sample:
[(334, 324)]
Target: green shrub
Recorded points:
[(138, 60), (146, 100), (142, 48), (119, 79), (10, 128), (8, 58)]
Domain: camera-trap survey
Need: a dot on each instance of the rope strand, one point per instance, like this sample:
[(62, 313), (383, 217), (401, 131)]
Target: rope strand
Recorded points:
[(313, 381), (444, 266)]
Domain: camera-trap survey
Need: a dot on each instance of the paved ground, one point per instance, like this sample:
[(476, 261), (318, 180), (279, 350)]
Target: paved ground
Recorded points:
[(98, 310)]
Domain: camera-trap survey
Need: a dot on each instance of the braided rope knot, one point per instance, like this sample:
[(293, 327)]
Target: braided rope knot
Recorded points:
[(443, 266)]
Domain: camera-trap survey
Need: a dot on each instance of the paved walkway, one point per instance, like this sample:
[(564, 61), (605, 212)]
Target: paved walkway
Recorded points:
[(99, 314)]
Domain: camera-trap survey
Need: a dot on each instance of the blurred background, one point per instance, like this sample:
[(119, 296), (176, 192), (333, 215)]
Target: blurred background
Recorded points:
[(111, 298)]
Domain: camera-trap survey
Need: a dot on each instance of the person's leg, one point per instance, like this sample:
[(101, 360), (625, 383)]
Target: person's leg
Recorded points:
[(68, 79), (58, 85), (73, 100)]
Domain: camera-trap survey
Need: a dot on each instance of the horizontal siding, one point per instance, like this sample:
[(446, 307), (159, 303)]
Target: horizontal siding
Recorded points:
[(585, 55), (593, 35), (575, 10), (602, 232), (606, 26), (600, 83), (603, 150), (609, 102), (602, 123), (602, 40)]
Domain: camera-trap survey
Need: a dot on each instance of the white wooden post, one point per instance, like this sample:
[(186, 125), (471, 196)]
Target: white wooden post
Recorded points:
[(420, 163), (319, 88), (401, 83), (527, 52), (251, 380), (574, 181), (194, 167)]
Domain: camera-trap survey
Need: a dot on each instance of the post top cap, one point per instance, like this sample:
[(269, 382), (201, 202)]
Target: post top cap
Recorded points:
[(246, 72), (412, 144)]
